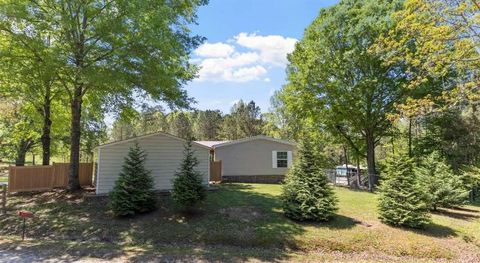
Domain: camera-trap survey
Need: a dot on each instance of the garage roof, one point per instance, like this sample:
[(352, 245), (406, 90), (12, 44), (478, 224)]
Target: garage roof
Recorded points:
[(259, 137), (151, 135)]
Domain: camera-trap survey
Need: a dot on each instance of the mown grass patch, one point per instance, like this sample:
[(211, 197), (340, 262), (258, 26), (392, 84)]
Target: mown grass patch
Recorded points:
[(246, 220)]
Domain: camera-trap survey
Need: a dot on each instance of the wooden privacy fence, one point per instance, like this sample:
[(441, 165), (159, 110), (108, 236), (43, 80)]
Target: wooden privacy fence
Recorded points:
[(216, 171), (45, 177)]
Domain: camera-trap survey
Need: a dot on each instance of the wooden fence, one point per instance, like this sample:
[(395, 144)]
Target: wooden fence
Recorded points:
[(216, 171), (45, 177)]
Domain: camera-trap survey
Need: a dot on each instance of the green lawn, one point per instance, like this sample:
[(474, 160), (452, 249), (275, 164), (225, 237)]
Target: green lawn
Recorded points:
[(3, 179), (238, 222)]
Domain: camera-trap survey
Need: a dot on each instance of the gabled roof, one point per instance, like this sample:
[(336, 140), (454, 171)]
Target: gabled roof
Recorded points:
[(210, 143), (248, 139), (151, 135)]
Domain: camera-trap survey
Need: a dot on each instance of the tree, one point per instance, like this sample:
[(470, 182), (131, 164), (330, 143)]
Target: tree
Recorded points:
[(453, 134), (337, 84), (132, 122), (306, 194), (442, 187), (188, 188), (106, 48), (18, 132), (133, 192), (207, 125), (153, 119), (279, 122), (243, 121), (434, 38), (402, 201), (32, 81), (180, 124), (471, 181)]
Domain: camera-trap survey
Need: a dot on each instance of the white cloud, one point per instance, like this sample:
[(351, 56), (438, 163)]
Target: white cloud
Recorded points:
[(233, 68), (214, 50), (222, 62), (273, 49), (248, 73)]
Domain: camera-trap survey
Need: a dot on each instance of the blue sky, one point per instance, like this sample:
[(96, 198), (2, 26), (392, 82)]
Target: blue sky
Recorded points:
[(244, 56)]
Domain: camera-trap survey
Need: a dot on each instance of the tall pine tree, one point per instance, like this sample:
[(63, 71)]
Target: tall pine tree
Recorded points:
[(306, 194), (188, 188), (402, 201), (134, 189)]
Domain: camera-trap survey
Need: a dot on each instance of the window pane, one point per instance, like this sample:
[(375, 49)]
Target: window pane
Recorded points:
[(282, 155), (282, 163)]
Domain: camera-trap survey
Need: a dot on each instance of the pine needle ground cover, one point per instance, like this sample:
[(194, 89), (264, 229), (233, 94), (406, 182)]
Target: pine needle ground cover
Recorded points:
[(237, 222)]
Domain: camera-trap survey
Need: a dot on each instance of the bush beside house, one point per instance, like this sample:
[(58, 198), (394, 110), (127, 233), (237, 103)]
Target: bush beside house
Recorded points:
[(133, 192), (188, 188)]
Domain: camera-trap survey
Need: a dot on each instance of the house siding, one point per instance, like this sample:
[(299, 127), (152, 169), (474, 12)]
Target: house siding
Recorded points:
[(250, 158), (164, 156)]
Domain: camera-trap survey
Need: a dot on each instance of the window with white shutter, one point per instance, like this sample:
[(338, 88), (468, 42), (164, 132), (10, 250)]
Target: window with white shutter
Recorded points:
[(282, 159)]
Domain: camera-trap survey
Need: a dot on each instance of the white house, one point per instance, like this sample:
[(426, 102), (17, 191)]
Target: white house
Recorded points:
[(164, 156), (259, 159)]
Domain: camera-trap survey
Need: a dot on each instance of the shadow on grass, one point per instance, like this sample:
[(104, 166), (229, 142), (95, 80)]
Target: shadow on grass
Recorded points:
[(337, 222), (458, 215), (466, 209), (236, 217), (236, 222), (434, 230)]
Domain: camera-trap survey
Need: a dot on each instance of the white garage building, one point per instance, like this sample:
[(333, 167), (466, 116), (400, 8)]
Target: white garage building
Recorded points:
[(164, 156)]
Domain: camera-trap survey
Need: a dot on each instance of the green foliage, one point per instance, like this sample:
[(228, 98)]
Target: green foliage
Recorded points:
[(180, 124), (432, 39), (337, 85), (106, 49), (306, 193), (133, 192), (207, 125), (243, 121), (188, 188), (18, 130), (402, 201), (443, 188), (453, 134)]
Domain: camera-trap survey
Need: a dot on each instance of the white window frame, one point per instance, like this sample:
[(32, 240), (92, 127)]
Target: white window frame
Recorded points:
[(275, 159)]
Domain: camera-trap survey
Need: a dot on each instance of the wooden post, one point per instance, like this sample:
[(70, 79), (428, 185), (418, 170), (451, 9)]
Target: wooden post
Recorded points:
[(4, 199)]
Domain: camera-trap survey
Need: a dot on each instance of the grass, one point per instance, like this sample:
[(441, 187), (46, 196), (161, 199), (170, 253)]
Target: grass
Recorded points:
[(238, 222), (3, 179)]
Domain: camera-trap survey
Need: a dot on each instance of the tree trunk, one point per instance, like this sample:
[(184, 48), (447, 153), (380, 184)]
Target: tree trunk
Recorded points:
[(372, 175), (346, 164), (76, 112), (359, 179), (23, 147), (410, 154), (21, 155), (47, 125)]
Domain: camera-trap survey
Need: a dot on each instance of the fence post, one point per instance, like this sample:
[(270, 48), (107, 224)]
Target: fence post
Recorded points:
[(4, 199)]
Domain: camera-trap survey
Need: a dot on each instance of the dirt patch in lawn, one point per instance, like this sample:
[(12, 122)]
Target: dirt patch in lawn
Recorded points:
[(243, 213)]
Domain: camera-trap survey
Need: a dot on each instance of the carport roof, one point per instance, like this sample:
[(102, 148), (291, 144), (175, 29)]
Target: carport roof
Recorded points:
[(259, 137), (210, 143)]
